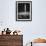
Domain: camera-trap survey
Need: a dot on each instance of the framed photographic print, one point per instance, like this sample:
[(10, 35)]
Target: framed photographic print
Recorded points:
[(23, 10)]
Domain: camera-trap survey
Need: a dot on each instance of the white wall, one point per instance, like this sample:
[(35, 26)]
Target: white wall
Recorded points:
[(36, 28), (39, 18)]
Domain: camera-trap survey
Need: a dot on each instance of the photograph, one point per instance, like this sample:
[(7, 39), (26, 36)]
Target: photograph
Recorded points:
[(23, 10)]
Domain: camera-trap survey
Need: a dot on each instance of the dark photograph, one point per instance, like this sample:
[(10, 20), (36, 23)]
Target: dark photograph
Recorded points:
[(23, 10)]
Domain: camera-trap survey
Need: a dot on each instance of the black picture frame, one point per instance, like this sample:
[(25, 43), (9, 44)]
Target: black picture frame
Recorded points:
[(19, 15)]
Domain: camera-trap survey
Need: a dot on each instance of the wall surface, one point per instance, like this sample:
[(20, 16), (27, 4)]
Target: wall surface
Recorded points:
[(31, 30)]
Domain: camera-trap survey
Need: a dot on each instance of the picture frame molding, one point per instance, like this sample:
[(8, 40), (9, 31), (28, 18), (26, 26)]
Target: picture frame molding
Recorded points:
[(17, 13)]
